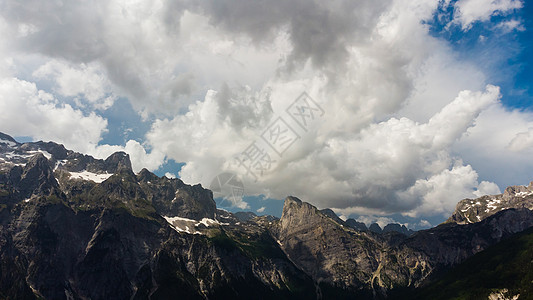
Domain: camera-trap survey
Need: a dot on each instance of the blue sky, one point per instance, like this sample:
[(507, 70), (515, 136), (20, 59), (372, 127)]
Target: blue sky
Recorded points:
[(506, 57), (423, 102)]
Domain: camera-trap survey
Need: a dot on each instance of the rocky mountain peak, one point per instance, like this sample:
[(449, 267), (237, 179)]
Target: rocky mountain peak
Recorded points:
[(330, 213), (57, 151), (146, 176), (118, 161), (356, 225), (37, 177), (394, 227), (475, 210), (297, 213)]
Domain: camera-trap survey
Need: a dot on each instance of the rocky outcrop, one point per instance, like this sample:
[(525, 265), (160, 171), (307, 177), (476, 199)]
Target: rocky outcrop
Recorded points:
[(245, 216), (333, 255), (397, 228), (470, 211), (117, 162), (356, 225), (374, 227)]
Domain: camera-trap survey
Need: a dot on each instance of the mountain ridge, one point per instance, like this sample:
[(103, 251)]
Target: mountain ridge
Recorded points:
[(72, 226)]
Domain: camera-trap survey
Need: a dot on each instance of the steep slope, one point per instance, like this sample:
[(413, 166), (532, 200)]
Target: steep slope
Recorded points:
[(333, 255), (366, 263)]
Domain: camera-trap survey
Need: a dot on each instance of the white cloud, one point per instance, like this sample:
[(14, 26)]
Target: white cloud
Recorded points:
[(405, 121), (470, 11), (498, 146), (28, 111), (260, 210), (170, 175), (87, 81), (423, 224), (487, 188), (138, 155), (522, 141), (440, 192), (510, 25), (350, 161)]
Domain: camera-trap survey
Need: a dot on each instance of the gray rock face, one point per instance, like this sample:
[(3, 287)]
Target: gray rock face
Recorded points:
[(330, 253), (245, 216), (374, 227), (117, 162), (356, 225), (398, 228), (357, 261)]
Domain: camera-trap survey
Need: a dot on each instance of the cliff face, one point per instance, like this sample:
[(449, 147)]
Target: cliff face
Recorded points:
[(342, 257), (326, 250), (76, 227)]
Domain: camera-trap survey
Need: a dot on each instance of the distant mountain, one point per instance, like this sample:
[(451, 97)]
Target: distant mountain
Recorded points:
[(474, 210), (398, 228), (356, 225), (76, 227), (374, 227), (245, 216)]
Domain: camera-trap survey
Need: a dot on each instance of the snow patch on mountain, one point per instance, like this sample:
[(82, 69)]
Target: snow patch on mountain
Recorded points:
[(9, 143), (178, 223), (86, 175)]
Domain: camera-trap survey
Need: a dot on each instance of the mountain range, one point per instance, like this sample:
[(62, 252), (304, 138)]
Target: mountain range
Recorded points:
[(76, 227)]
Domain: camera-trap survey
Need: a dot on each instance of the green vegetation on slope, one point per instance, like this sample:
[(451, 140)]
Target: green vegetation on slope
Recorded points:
[(506, 265)]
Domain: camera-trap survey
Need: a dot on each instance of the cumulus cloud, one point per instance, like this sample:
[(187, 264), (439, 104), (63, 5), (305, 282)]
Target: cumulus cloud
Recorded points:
[(138, 155), (27, 111), (170, 175), (405, 127), (403, 166), (498, 146), (352, 162), (159, 55), (522, 141), (423, 224), (470, 11), (487, 188), (86, 81)]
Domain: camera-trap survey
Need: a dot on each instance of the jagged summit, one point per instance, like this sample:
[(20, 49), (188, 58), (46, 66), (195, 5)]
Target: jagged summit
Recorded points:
[(117, 162), (42, 168), (474, 210)]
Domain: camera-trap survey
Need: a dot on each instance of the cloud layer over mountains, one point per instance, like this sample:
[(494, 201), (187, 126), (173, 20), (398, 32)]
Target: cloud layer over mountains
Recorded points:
[(396, 121)]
